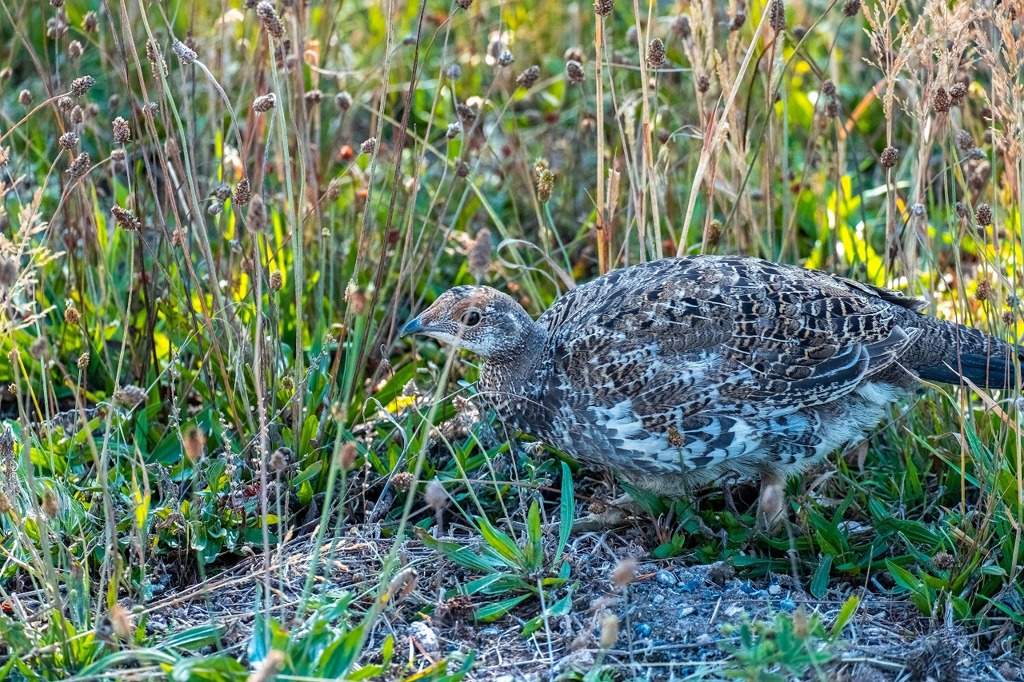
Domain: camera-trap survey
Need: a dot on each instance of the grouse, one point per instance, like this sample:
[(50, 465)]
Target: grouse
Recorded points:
[(682, 371)]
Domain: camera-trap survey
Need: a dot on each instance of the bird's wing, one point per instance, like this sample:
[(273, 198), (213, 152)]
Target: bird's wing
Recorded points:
[(693, 348)]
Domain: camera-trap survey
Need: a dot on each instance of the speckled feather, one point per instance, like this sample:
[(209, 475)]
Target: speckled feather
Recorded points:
[(681, 371)]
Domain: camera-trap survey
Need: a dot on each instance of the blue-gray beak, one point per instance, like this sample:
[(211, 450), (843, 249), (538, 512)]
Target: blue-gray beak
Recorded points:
[(413, 326)]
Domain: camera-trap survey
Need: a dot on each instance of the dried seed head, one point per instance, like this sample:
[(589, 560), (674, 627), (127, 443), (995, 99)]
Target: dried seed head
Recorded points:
[(681, 27), (83, 361), (74, 50), (267, 670), (632, 36), (194, 444), (214, 209), (604, 7), (656, 53), (976, 154), (828, 88), (609, 631), (402, 481), (122, 131), (126, 219), (80, 166), (129, 396), (529, 77), (738, 20), (6, 73), (90, 23), (402, 585), (453, 130), (25, 98), (347, 456), (71, 314), (68, 140), (961, 210), (271, 22), (777, 16), (984, 215), (49, 505), (467, 114), (435, 496), (313, 97), (9, 271), (832, 108), (357, 301), (276, 280), (38, 349), (222, 192), (851, 8), (186, 55), (890, 156), (983, 291), (544, 178), (574, 71), (77, 115), (343, 101), (714, 234), (703, 83), (958, 91), (81, 85), (264, 103), (943, 561), (941, 101), (964, 140), (368, 146), (461, 169), (256, 217), (243, 194), (463, 4), (624, 572), (65, 103), (278, 461), (453, 72), (479, 260), (573, 54), (505, 58)]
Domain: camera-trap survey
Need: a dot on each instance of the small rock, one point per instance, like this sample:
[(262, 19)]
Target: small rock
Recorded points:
[(657, 599), (642, 630), (687, 611), (691, 586), (774, 590), (425, 635), (490, 631), (703, 640), (787, 604), (720, 573), (666, 579)]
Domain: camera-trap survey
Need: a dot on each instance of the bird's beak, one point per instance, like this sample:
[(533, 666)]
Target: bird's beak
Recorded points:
[(413, 326)]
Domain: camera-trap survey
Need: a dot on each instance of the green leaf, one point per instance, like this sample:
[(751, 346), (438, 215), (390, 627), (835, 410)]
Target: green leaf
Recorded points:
[(220, 668), (819, 583), (567, 511), (534, 553), (502, 544), (194, 638), (492, 612), (845, 615)]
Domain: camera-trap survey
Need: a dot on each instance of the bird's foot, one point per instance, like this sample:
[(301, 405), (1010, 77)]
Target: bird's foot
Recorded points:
[(611, 515), (771, 504)]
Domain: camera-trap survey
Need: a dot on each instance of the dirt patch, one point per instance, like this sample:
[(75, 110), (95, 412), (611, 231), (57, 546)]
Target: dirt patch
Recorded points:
[(673, 619)]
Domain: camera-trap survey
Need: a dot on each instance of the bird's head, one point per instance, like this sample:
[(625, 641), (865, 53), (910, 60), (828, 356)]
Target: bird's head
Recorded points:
[(479, 319)]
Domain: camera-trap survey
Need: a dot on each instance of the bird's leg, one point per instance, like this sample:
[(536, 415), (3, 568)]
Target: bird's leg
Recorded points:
[(614, 514), (771, 503), (730, 502)]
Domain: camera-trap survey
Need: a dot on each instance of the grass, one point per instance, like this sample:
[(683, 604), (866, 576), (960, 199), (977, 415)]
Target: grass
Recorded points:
[(217, 460)]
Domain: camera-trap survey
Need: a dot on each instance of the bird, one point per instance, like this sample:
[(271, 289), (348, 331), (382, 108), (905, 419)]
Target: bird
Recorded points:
[(679, 372)]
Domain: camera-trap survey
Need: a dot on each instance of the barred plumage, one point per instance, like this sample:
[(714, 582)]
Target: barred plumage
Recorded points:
[(682, 371)]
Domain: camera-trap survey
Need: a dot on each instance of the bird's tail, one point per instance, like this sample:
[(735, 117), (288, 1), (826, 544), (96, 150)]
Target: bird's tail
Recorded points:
[(947, 352)]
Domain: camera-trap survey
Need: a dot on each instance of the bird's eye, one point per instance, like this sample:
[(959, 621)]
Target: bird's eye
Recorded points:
[(471, 318)]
